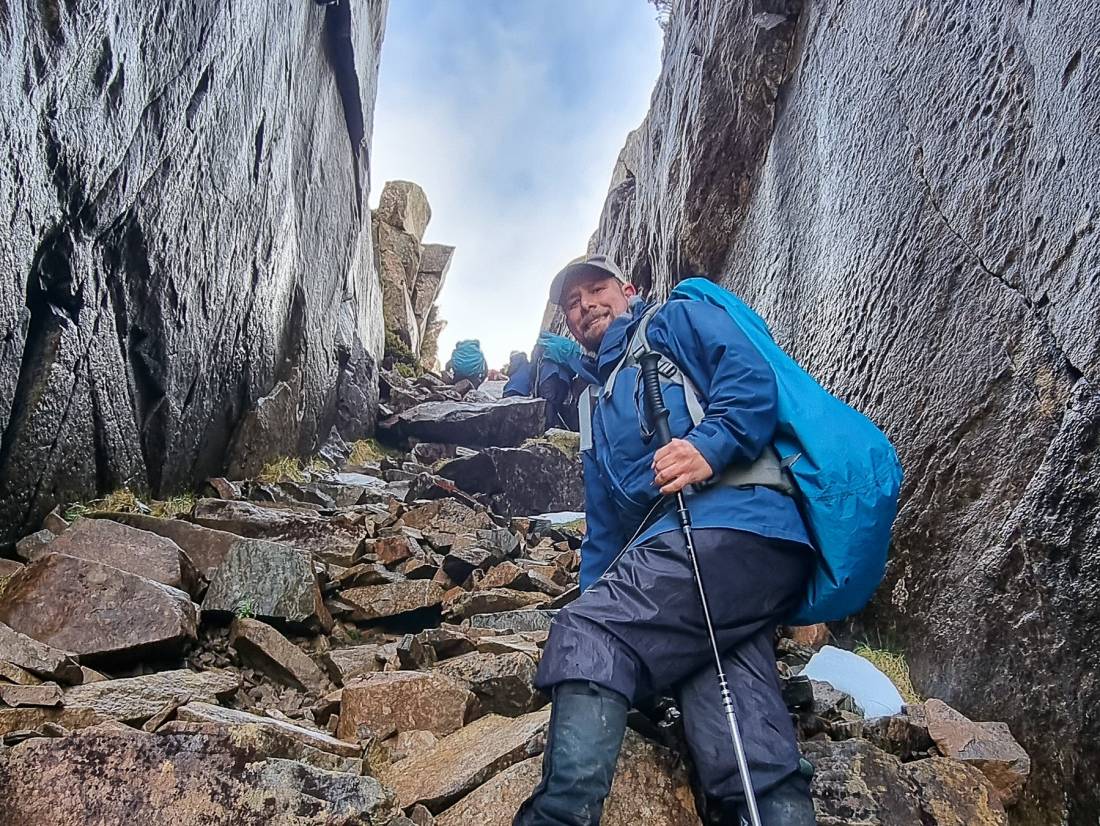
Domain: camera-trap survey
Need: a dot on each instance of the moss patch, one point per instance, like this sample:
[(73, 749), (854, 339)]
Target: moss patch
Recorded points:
[(894, 666)]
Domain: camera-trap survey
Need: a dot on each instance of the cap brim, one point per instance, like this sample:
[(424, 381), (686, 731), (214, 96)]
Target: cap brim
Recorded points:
[(578, 270)]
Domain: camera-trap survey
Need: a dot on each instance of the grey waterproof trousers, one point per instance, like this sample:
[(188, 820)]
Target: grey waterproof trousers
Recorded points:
[(639, 630)]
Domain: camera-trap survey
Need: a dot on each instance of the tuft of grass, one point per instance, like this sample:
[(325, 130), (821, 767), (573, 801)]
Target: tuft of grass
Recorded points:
[(122, 500), (245, 608), (283, 469), (175, 506), (75, 511), (370, 450), (894, 666)]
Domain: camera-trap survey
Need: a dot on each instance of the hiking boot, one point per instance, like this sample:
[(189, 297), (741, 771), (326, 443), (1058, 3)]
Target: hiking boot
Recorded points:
[(587, 724), (788, 804)]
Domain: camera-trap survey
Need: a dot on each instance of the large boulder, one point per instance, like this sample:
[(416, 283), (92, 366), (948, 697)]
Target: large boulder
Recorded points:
[(935, 269), (520, 481), (394, 599), (166, 252), (404, 206), (269, 580), (503, 683), (206, 547), (505, 423), (440, 775), (382, 704), (126, 548), (95, 610), (209, 713), (36, 657), (136, 699), (855, 782), (104, 777), (650, 786), (263, 647)]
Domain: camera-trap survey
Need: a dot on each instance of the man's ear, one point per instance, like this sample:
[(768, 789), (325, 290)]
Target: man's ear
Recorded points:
[(629, 290)]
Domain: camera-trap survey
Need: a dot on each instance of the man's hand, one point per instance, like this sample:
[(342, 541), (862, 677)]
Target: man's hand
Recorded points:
[(677, 465)]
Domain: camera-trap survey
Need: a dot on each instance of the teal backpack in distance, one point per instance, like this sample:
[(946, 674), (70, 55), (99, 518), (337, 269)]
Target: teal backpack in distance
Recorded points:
[(467, 361), (845, 470)]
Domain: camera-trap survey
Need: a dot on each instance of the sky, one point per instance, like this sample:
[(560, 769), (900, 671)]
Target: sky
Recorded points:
[(510, 114)]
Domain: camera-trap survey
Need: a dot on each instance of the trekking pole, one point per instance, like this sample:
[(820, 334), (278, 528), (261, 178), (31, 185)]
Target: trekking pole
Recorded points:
[(658, 416)]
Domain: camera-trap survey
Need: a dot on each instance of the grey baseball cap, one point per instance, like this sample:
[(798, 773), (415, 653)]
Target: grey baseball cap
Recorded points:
[(589, 266)]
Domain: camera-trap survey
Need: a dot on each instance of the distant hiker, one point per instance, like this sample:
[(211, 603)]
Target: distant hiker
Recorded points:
[(555, 368), (468, 362), (637, 628), (519, 375)]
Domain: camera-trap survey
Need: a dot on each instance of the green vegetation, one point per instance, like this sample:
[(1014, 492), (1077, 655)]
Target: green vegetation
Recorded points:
[(245, 608), (404, 360), (894, 666)]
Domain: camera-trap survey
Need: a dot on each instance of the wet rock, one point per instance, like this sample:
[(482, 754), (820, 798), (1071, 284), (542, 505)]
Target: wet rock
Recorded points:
[(44, 695), (203, 712), (650, 786), (128, 549), (854, 782), (536, 478), (136, 699), (381, 601), (206, 547), (38, 658), (512, 622), (265, 648), (473, 424), (332, 540), (268, 580), (189, 779), (459, 763), (381, 704), (34, 718), (95, 610), (494, 601), (989, 747), (503, 683)]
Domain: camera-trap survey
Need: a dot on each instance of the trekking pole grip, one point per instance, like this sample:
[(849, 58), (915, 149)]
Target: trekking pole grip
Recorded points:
[(655, 404)]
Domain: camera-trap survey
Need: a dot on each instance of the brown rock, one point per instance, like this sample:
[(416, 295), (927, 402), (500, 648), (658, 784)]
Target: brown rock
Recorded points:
[(268, 741), (529, 643), (30, 547), (90, 675), (812, 636), (903, 735), (503, 683), (390, 550), (407, 743), (345, 663), (332, 540), (8, 567), (95, 610), (505, 575), (200, 712), (420, 816), (275, 655), (269, 580), (446, 515), (37, 657), (136, 699), (14, 674), (459, 763), (854, 782), (105, 777), (566, 597), (459, 564), (650, 787), (989, 747), (380, 601), (394, 701), (128, 549), (451, 640), (29, 719), (494, 601), (206, 547), (44, 695)]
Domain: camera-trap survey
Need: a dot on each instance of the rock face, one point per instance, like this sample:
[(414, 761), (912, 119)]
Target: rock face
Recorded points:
[(474, 424), (926, 245), (537, 478), (101, 777), (170, 253)]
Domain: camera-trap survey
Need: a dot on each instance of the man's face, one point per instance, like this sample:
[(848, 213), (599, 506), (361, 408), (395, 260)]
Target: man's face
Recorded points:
[(591, 304)]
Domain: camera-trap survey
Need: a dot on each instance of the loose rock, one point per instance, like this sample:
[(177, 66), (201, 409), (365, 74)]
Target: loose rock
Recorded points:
[(503, 683), (38, 658), (390, 702), (136, 699), (271, 652), (395, 599)]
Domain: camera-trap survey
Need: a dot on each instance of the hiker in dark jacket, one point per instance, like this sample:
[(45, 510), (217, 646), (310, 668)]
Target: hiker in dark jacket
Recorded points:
[(637, 628), (519, 375), (555, 367)]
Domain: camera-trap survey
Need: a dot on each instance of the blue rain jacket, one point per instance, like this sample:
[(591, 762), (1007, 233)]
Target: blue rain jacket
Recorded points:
[(738, 392), (519, 383)]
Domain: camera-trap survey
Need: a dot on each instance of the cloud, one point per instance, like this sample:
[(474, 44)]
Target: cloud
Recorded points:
[(510, 114)]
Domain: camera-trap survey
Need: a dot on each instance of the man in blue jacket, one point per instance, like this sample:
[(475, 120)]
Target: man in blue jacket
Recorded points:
[(638, 628)]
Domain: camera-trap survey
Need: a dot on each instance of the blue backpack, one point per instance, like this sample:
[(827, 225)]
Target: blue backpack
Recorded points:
[(467, 361), (845, 470)]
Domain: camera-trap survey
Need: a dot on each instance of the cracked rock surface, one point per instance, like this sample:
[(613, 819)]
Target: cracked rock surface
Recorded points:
[(907, 194), (186, 234)]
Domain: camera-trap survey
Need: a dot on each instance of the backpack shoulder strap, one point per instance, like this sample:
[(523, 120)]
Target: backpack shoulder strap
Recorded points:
[(585, 403)]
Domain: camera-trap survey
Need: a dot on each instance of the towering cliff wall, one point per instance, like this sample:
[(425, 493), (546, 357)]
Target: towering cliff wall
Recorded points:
[(186, 194), (907, 191)]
